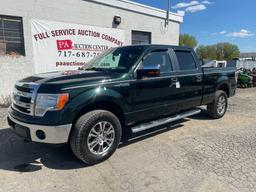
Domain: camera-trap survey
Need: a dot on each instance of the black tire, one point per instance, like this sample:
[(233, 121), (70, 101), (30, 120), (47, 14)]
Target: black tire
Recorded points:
[(80, 136), (213, 110)]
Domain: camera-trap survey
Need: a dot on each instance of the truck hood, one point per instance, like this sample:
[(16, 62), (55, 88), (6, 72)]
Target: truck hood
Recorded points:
[(62, 77)]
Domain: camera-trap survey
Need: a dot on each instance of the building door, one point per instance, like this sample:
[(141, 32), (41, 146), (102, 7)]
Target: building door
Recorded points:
[(141, 38)]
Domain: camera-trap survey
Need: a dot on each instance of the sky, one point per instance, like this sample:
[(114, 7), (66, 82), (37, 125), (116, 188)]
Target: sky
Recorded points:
[(213, 21)]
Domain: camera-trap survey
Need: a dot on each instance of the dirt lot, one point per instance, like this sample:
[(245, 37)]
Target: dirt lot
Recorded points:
[(197, 154)]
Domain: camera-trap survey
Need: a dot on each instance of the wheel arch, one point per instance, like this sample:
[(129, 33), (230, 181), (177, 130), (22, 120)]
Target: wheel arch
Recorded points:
[(224, 86), (103, 104)]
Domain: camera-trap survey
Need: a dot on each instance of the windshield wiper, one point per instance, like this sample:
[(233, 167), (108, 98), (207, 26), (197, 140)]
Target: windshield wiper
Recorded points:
[(97, 69), (119, 69), (107, 70)]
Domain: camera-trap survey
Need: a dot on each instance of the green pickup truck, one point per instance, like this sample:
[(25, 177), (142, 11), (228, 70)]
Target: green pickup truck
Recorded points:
[(124, 90)]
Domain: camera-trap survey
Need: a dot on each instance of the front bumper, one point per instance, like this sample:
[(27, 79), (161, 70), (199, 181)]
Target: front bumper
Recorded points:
[(58, 134)]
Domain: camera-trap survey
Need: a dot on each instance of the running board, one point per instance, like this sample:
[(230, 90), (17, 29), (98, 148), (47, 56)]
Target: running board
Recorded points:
[(163, 121)]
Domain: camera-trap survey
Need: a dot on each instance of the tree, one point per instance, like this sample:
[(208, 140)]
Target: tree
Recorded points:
[(206, 52), (188, 40), (219, 51)]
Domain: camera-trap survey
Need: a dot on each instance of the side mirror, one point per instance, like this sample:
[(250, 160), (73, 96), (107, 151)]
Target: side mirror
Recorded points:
[(147, 73)]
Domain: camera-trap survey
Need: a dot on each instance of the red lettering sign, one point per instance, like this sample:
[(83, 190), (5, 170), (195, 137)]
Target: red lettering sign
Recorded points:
[(64, 44)]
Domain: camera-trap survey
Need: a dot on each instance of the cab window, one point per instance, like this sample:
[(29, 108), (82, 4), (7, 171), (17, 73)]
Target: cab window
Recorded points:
[(186, 60), (157, 60)]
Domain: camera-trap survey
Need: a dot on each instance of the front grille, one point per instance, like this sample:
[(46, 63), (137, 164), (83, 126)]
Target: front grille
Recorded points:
[(23, 89), (24, 95), (22, 109), (25, 99)]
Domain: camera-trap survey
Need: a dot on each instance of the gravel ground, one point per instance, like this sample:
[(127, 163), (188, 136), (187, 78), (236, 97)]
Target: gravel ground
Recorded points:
[(198, 154)]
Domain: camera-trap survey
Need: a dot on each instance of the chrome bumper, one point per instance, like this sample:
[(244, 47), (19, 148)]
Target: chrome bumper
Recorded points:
[(53, 134)]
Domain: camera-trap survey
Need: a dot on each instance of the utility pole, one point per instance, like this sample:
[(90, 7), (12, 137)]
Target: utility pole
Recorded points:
[(168, 13)]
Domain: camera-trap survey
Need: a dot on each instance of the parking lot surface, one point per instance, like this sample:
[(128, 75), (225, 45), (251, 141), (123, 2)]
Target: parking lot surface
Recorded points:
[(195, 154)]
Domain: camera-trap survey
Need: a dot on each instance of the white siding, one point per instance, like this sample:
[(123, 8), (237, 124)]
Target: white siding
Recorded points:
[(82, 12)]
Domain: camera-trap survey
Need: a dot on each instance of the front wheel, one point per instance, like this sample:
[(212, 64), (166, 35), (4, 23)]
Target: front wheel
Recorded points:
[(95, 136), (218, 107)]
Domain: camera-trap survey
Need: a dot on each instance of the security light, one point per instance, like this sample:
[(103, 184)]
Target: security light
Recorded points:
[(117, 20)]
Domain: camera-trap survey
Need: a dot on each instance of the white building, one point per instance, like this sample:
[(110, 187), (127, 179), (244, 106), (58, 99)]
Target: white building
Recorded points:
[(247, 56), (134, 23)]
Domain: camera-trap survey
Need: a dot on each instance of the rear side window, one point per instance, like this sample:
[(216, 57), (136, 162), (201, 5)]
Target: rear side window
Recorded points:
[(186, 60)]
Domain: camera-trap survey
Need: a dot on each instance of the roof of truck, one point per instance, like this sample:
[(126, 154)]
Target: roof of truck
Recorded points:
[(159, 46)]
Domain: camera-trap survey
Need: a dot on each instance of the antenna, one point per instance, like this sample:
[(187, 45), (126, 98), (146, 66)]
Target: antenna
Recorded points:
[(168, 13)]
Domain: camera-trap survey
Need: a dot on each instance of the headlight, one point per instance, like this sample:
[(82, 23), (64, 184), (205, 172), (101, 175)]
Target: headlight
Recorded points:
[(50, 102)]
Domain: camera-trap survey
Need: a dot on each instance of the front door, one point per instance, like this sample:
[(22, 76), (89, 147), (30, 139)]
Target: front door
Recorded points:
[(152, 96)]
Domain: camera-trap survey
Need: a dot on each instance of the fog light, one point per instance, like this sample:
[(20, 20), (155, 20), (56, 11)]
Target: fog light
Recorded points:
[(40, 134)]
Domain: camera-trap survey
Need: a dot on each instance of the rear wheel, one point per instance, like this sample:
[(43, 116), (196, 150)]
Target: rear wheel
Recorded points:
[(95, 136), (218, 107)]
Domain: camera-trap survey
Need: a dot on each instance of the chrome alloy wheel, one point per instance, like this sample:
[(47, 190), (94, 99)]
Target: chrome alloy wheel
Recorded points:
[(221, 106), (101, 138)]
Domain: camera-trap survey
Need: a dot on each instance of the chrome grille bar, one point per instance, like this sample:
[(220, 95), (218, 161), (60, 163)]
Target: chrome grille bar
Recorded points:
[(24, 105), (24, 96)]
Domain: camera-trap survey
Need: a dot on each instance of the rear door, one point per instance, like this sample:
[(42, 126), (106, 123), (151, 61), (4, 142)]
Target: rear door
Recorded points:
[(190, 77)]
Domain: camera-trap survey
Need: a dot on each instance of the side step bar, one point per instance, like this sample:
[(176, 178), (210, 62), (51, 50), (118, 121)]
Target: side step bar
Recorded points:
[(163, 121)]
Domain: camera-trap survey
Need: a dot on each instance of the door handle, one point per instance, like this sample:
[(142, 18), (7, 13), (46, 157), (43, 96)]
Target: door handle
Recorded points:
[(175, 82), (199, 78), (174, 79)]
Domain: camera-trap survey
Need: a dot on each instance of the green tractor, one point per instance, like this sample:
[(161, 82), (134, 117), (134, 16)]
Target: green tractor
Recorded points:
[(244, 80)]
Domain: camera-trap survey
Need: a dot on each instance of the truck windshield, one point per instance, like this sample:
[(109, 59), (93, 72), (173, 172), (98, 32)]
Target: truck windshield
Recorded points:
[(115, 59)]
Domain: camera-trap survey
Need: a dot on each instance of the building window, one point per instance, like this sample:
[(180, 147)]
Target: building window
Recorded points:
[(11, 36), (141, 38)]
